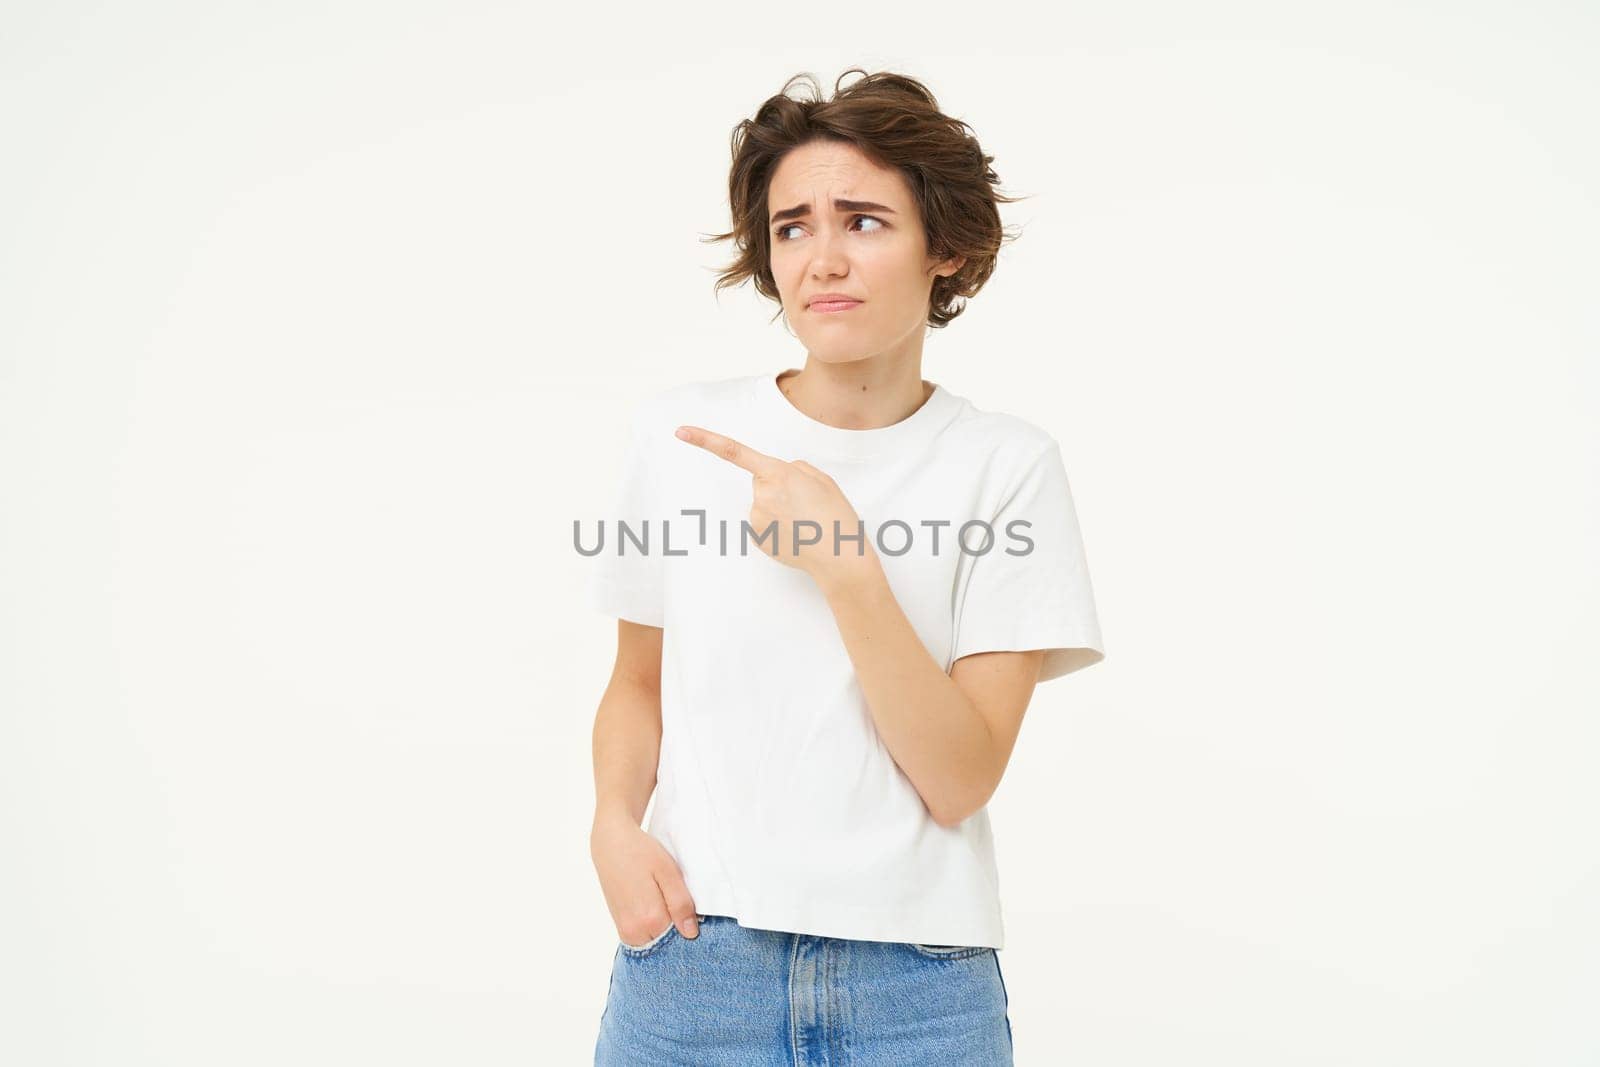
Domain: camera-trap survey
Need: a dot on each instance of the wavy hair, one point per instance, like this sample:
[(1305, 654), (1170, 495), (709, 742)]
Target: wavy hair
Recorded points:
[(896, 122)]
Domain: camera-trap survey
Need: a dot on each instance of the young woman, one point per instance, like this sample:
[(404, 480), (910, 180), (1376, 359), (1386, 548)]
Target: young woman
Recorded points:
[(840, 586)]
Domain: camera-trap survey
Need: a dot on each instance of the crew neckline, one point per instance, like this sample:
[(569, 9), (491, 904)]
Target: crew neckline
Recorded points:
[(836, 441)]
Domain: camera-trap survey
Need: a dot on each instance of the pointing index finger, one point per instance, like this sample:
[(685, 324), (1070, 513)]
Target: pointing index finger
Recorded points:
[(735, 452)]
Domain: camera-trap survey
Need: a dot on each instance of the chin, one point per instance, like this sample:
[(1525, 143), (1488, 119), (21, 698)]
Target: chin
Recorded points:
[(833, 354)]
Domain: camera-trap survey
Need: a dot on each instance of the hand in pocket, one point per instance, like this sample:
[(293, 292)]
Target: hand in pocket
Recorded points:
[(643, 886)]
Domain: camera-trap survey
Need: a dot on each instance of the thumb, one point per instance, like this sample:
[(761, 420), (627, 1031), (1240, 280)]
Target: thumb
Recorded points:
[(679, 904)]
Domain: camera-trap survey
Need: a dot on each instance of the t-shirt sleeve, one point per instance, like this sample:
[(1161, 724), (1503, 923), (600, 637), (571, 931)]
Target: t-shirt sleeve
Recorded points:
[(625, 582), (1021, 596)]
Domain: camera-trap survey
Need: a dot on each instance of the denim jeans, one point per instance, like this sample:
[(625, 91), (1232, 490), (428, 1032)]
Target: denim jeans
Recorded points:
[(737, 996)]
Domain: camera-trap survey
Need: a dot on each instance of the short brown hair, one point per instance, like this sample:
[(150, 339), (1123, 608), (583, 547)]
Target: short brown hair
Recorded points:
[(895, 121)]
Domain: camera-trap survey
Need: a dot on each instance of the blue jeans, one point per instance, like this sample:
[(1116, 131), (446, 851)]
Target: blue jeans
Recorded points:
[(736, 996)]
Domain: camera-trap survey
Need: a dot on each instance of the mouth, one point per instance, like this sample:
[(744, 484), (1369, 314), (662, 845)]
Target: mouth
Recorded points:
[(827, 306)]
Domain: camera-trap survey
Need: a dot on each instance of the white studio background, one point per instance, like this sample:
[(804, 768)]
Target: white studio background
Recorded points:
[(320, 324)]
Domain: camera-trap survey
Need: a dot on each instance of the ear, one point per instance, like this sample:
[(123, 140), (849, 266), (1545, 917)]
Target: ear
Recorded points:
[(954, 266)]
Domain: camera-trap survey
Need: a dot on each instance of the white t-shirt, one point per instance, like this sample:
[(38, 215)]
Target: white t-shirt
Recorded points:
[(774, 792)]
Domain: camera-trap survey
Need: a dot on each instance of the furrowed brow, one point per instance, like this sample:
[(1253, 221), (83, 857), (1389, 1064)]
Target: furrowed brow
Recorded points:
[(801, 211)]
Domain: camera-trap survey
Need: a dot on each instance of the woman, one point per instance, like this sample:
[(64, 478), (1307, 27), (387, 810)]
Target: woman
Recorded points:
[(823, 658)]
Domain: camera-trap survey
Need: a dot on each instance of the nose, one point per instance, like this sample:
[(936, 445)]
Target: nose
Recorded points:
[(827, 258)]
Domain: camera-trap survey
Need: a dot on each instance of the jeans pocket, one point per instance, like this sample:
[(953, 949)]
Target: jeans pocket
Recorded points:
[(948, 952), (655, 943), (651, 945)]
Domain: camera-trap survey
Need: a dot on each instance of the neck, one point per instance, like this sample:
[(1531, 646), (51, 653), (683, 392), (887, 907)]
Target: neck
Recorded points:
[(863, 394)]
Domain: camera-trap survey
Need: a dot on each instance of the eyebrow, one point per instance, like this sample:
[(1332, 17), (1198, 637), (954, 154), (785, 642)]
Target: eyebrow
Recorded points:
[(802, 210)]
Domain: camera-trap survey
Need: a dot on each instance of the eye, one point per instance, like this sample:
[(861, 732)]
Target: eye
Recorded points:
[(780, 231)]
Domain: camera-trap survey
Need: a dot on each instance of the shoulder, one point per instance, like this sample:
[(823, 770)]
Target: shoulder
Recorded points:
[(1008, 445)]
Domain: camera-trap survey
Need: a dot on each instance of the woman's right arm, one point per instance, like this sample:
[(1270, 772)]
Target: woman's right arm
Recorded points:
[(627, 726), (643, 887)]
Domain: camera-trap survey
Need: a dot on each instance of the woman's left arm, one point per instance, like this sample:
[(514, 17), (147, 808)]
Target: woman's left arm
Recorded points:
[(952, 734)]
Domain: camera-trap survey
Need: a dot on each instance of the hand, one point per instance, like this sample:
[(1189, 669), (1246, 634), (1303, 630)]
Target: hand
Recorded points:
[(790, 492), (643, 886)]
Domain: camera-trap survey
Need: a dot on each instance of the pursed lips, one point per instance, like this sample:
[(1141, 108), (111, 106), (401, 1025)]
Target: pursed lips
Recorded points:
[(832, 305)]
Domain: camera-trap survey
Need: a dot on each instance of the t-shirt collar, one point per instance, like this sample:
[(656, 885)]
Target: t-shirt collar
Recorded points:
[(812, 438)]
